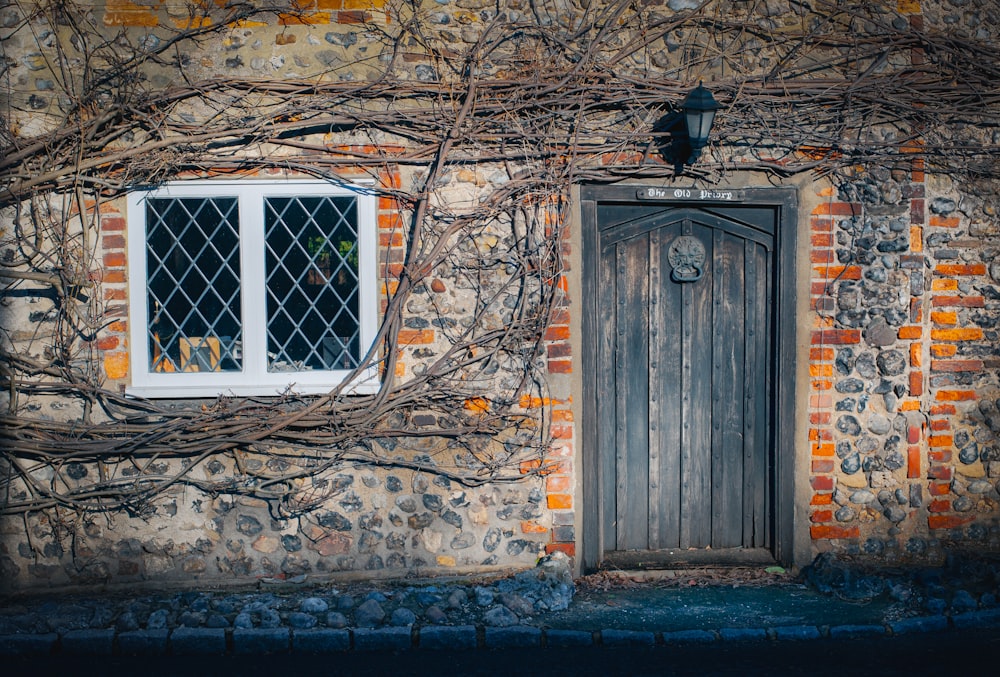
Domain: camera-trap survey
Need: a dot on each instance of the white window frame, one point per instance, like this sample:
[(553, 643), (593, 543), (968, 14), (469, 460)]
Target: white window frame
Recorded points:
[(254, 378)]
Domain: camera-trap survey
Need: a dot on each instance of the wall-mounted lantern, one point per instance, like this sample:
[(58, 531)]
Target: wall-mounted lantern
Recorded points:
[(699, 113)]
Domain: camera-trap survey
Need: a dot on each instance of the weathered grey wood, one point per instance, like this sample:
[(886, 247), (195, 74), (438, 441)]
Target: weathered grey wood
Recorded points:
[(764, 447), (654, 493), (733, 429), (589, 545), (605, 394), (698, 333), (680, 559), (752, 376), (727, 393), (667, 392), (632, 376)]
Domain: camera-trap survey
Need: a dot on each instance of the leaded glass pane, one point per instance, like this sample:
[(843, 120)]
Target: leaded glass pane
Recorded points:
[(193, 271), (311, 273)]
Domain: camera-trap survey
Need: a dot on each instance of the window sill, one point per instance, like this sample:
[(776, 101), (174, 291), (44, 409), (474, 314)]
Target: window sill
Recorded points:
[(365, 387)]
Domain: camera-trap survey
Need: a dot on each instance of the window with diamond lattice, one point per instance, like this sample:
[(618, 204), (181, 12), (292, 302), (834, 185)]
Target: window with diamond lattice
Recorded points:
[(250, 287)]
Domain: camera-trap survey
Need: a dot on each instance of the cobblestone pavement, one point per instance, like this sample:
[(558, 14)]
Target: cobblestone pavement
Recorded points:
[(542, 607)]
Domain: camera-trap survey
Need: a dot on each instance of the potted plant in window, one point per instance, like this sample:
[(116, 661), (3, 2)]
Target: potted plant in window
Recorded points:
[(322, 249)]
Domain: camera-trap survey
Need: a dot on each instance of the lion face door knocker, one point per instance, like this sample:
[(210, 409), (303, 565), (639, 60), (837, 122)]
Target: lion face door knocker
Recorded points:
[(687, 259)]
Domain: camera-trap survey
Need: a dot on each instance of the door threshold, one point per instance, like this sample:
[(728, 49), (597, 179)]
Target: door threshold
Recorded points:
[(677, 558)]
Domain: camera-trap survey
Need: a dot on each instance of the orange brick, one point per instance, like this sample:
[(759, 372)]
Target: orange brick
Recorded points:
[(409, 337), (559, 501), (916, 356), (947, 521), (390, 239), (821, 499), (939, 455), (477, 405), (939, 441), (944, 221), (913, 462), (109, 223), (821, 449), (939, 488), (529, 402), (108, 343), (821, 516), (564, 415), (946, 317), (957, 270), (838, 272), (820, 401), (943, 350), (114, 260), (305, 18), (821, 354), (569, 549), (116, 365), (556, 484), (940, 424), (836, 336), (955, 395), (939, 505), (821, 370), (560, 366), (966, 334), (837, 209), (916, 239), (958, 301), (557, 333), (527, 467), (916, 383), (530, 527), (944, 285), (956, 365), (827, 531), (113, 242), (910, 332)]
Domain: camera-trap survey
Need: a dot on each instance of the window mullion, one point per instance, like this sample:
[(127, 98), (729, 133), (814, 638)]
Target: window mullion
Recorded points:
[(254, 305)]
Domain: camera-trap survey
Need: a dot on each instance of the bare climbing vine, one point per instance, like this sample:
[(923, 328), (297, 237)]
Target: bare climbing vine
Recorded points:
[(538, 100)]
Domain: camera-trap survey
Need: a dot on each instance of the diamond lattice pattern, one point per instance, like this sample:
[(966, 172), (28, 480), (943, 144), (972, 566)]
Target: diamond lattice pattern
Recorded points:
[(193, 269), (311, 268)]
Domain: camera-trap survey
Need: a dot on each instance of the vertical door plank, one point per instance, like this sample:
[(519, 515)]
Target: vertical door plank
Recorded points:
[(606, 411), (766, 483), (727, 392), (666, 321), (654, 491), (632, 376), (756, 481), (751, 378), (697, 395)]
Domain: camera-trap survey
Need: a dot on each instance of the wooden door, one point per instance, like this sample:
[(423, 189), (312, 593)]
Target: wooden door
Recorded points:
[(685, 363)]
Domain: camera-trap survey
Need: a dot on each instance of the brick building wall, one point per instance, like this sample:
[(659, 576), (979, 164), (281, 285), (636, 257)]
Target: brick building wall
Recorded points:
[(901, 455), (903, 372)]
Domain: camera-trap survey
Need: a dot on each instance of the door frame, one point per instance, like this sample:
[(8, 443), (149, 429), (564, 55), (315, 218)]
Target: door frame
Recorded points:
[(784, 201)]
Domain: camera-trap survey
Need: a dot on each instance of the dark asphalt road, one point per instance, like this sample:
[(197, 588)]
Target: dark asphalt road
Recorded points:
[(952, 652)]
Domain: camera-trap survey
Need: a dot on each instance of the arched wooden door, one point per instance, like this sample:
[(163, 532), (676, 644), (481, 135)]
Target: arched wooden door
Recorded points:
[(685, 380)]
